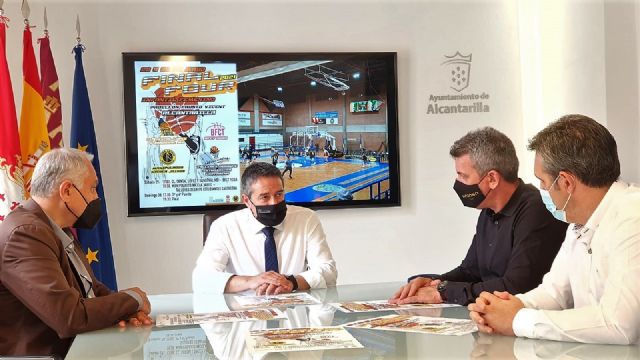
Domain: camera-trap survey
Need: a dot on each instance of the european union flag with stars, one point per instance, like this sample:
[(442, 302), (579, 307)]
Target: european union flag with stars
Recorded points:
[(96, 242)]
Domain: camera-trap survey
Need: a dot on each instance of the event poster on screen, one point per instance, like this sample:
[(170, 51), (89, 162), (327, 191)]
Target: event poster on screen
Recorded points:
[(187, 119)]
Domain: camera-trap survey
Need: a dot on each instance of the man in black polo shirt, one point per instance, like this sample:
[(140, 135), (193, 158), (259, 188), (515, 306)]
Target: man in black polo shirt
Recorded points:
[(516, 237)]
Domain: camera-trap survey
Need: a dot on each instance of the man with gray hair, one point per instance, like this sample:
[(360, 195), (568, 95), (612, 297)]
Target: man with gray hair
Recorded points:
[(516, 237), (269, 247), (48, 293), (592, 292)]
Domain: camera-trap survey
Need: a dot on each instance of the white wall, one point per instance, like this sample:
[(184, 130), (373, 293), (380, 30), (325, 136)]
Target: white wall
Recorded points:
[(431, 231), (622, 43), (582, 57)]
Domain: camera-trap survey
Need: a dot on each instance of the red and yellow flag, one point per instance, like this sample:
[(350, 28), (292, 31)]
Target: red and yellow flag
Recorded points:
[(34, 137), (11, 186), (50, 93)]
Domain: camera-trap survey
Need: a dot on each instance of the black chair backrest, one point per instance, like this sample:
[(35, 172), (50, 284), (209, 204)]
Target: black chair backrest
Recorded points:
[(207, 219)]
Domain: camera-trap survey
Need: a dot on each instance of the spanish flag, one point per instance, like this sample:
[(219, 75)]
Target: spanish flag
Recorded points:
[(34, 137)]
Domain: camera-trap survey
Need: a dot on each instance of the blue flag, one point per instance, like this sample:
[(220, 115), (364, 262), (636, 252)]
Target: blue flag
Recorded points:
[(96, 242)]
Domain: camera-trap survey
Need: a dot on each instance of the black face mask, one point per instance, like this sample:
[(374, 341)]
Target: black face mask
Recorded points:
[(470, 195), (91, 214), (271, 215)]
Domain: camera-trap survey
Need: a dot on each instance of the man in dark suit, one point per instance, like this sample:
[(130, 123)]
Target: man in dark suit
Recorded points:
[(48, 293)]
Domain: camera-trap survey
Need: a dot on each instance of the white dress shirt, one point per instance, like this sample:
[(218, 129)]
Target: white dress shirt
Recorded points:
[(235, 246), (592, 292)]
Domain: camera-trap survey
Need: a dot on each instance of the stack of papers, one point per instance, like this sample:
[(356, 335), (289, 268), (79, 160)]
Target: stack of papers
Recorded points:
[(300, 339), (270, 301), (419, 324), (383, 305), (229, 316)]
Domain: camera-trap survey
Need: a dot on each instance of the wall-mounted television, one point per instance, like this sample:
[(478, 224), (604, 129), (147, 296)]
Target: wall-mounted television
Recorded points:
[(195, 121)]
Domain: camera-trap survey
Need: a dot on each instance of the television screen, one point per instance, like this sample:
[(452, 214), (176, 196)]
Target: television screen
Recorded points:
[(195, 121)]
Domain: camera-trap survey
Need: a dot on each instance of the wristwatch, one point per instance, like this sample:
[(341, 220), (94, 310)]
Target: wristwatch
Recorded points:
[(442, 288), (293, 281)]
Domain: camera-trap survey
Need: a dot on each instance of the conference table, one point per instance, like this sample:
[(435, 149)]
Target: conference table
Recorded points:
[(227, 340)]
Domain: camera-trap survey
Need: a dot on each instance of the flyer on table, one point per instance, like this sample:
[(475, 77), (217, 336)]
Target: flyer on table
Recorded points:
[(228, 316), (383, 305), (300, 339), (421, 324), (281, 300)]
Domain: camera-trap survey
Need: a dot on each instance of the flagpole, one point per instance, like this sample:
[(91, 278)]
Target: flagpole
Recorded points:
[(26, 11), (50, 89), (46, 23)]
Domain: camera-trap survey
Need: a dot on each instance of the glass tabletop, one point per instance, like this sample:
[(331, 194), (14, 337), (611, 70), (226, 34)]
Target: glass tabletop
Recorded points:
[(227, 340)]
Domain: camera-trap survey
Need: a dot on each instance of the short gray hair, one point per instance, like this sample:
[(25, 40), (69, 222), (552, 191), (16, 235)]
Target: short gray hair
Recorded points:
[(57, 166), (489, 149), (255, 171), (579, 145)]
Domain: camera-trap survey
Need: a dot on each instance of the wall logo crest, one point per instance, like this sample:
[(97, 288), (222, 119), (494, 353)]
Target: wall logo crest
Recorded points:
[(458, 67)]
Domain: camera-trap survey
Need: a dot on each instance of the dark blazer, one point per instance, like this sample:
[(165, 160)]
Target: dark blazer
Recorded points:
[(42, 304)]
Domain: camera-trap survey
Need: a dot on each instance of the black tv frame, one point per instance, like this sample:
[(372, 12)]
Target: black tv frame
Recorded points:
[(131, 146)]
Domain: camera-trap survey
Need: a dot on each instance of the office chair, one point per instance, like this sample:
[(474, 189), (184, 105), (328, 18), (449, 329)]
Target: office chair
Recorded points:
[(207, 219)]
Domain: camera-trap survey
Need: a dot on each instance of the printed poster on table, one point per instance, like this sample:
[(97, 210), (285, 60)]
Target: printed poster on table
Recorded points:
[(383, 305), (269, 301), (187, 126), (220, 317), (419, 324), (300, 339)]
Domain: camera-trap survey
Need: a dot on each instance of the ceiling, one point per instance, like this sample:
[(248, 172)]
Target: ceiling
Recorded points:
[(290, 76)]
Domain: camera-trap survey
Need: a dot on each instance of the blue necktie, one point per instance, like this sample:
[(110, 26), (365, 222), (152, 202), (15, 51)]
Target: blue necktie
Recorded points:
[(270, 252)]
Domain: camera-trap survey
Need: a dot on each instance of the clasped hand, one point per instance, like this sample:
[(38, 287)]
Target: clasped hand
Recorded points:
[(494, 313), (270, 283)]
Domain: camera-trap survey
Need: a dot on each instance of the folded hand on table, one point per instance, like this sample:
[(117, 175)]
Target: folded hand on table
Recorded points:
[(494, 313), (138, 319)]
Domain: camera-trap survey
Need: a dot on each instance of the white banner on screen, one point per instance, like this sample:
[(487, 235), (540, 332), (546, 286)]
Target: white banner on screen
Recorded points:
[(271, 119), (244, 118), (187, 131)]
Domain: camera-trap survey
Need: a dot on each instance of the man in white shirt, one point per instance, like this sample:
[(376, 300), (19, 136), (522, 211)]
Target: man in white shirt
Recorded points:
[(592, 292), (269, 247)]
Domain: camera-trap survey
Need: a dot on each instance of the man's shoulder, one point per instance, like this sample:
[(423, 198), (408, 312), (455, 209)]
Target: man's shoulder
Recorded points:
[(298, 216), (25, 219), (630, 196), (21, 216), (626, 203), (232, 217), (295, 210), (529, 191), (532, 212), (530, 199)]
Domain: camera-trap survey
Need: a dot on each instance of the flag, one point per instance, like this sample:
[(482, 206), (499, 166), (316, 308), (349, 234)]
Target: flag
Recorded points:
[(50, 93), (34, 138), (11, 185), (96, 242)]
